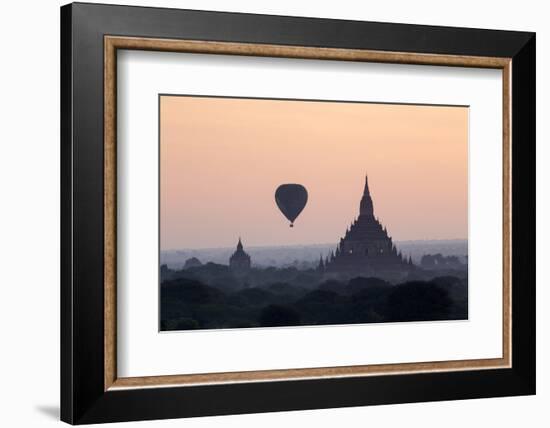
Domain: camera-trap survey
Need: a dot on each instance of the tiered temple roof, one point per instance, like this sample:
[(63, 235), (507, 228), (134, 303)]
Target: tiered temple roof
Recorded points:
[(239, 261), (366, 248)]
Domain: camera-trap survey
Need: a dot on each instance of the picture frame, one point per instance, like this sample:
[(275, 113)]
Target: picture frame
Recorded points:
[(91, 390)]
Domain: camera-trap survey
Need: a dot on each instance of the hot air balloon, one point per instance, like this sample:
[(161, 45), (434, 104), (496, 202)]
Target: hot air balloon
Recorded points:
[(291, 200)]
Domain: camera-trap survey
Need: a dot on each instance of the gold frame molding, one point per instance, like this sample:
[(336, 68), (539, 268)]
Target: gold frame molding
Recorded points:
[(113, 43)]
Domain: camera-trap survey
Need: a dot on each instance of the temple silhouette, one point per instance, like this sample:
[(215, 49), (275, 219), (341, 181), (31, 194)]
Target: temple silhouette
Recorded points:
[(366, 249), (239, 262)]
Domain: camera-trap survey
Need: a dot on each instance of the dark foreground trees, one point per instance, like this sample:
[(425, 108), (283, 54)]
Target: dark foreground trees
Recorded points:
[(189, 304), (418, 301), (279, 316)]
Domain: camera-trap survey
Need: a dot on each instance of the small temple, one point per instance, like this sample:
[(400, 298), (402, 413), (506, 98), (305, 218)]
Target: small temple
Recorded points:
[(366, 248), (239, 262)]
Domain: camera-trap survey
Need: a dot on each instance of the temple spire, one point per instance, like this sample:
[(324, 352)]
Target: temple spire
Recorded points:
[(321, 266), (239, 245), (366, 207)]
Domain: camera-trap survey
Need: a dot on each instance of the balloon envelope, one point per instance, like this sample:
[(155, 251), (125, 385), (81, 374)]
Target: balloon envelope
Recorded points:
[(291, 200)]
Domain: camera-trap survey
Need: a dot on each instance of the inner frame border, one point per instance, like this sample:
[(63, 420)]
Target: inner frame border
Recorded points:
[(113, 43)]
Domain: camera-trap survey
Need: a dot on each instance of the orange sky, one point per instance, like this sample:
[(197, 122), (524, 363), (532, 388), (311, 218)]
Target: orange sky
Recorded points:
[(223, 158)]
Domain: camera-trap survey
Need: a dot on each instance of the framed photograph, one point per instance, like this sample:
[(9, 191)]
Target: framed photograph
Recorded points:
[(266, 213)]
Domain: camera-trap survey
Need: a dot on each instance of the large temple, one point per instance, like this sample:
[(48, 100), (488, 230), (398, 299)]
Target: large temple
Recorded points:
[(366, 248), (239, 262)]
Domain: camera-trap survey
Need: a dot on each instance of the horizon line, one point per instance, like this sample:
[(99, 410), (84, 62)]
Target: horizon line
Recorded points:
[(305, 245)]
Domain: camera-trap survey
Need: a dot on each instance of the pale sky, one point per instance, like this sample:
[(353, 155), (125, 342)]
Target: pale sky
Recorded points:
[(223, 158)]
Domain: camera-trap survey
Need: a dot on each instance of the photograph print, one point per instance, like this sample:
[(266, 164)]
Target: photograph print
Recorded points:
[(288, 212)]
